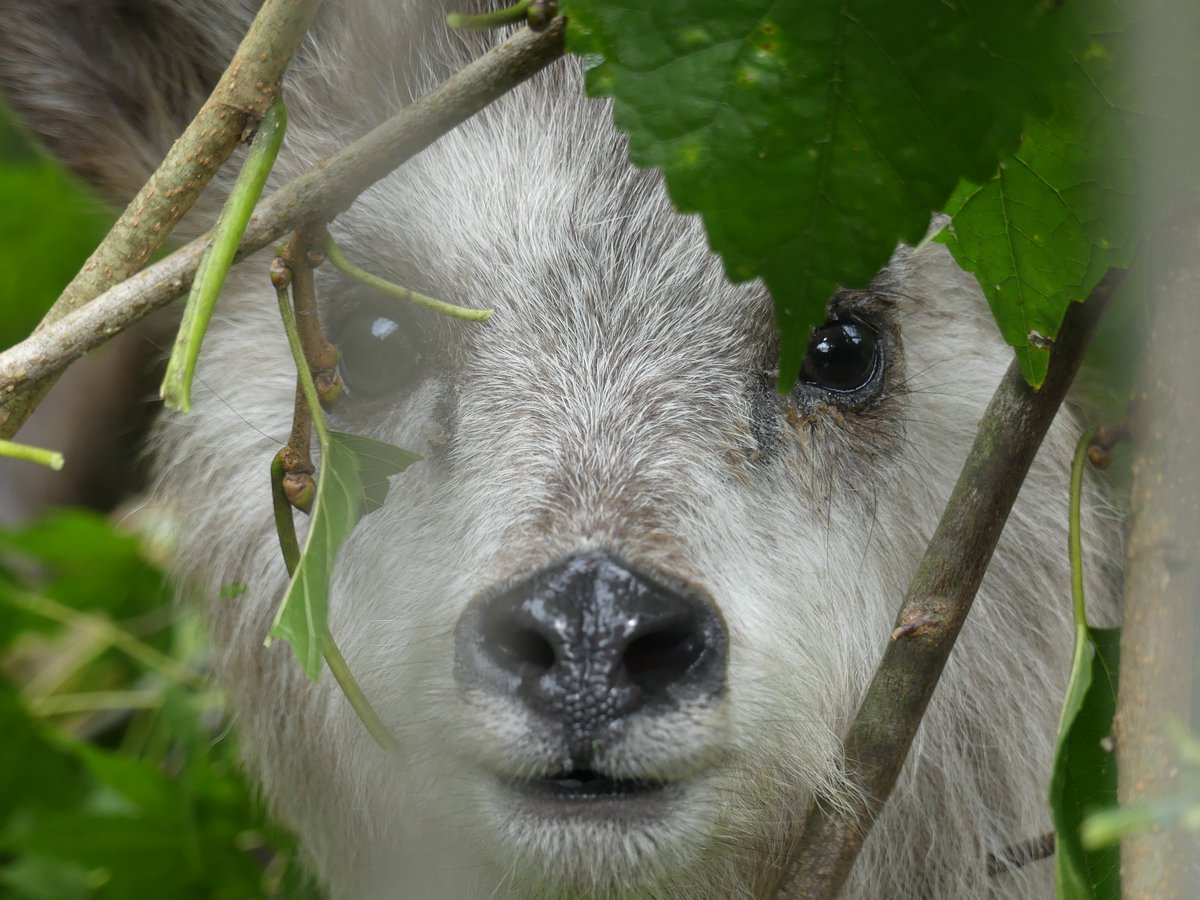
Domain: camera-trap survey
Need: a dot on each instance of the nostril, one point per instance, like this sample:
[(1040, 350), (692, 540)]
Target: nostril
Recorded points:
[(590, 640), (522, 648), (661, 658)]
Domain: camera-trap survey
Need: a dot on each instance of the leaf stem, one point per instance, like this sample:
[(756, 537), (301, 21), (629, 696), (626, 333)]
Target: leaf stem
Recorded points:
[(303, 375), (401, 293), (51, 458), (176, 388), (285, 525), (354, 693), (1074, 540), (1106, 827), (489, 20)]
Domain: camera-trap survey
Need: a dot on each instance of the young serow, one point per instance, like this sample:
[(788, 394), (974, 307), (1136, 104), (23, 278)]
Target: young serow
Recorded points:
[(621, 615)]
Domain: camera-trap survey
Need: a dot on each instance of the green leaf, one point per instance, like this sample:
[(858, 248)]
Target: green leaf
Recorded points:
[(377, 461), (813, 136), (1085, 773), (1061, 209), (142, 858), (49, 224), (139, 784), (39, 878), (83, 563), (33, 770), (351, 480)]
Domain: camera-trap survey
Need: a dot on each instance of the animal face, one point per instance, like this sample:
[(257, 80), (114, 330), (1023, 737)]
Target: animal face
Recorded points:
[(622, 613)]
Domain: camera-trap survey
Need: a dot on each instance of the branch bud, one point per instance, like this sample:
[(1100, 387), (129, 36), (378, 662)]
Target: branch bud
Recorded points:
[(329, 387), (542, 13), (281, 275), (300, 489)]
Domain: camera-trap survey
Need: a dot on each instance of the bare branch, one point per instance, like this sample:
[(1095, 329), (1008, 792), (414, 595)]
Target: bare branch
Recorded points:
[(241, 97), (327, 188), (937, 602)]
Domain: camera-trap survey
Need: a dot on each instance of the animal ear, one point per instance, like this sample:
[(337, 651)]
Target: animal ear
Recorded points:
[(107, 85)]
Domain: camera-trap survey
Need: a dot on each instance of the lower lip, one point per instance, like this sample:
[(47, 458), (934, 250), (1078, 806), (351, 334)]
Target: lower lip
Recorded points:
[(585, 790), (634, 803)]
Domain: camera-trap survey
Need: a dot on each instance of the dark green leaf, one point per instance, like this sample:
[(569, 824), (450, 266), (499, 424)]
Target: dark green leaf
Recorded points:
[(1084, 778), (813, 136), (33, 769), (42, 878), (81, 562), (48, 226), (1060, 211)]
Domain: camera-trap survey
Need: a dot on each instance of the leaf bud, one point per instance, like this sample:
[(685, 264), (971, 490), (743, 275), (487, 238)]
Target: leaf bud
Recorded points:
[(541, 14), (329, 387), (300, 489), (281, 275)]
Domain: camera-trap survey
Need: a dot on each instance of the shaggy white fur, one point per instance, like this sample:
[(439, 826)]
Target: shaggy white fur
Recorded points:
[(620, 398)]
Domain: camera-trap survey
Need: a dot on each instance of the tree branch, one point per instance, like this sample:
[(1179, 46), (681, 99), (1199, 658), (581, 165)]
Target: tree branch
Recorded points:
[(241, 97), (1162, 567), (324, 190), (937, 602)]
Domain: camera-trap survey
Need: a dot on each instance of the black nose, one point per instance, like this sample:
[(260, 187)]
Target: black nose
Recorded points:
[(591, 639)]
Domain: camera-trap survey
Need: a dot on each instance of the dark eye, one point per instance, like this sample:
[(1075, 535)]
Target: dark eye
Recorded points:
[(378, 354), (842, 357)]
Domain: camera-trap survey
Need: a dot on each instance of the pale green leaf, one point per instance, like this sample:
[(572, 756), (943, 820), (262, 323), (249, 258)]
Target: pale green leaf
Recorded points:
[(351, 479)]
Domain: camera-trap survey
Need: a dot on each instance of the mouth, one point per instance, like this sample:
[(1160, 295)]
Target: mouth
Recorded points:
[(582, 785)]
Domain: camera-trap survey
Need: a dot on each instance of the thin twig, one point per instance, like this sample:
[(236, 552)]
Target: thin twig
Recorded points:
[(293, 558), (293, 268), (327, 188), (1016, 856), (242, 96), (296, 252), (95, 701), (939, 597), (12, 450)]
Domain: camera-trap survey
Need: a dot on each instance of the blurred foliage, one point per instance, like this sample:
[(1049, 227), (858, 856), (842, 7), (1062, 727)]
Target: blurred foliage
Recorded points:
[(48, 226), (118, 776)]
